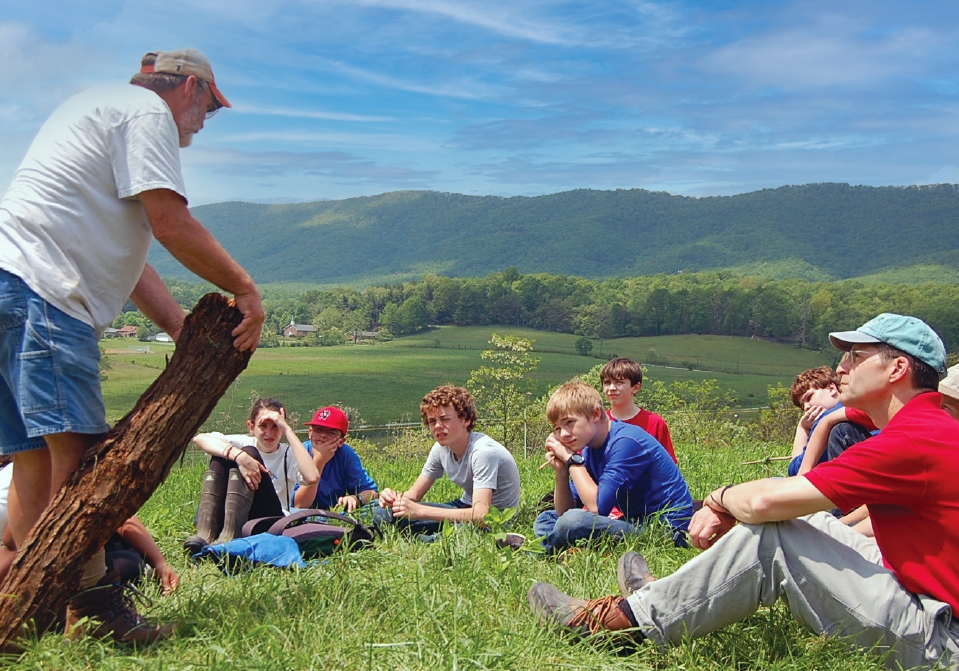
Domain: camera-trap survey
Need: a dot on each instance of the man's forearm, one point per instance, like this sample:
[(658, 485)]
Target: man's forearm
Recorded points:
[(154, 300), (769, 500)]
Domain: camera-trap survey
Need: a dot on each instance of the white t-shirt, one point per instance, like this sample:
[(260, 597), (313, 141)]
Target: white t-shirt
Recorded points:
[(70, 225), (281, 463), (6, 477), (485, 465)]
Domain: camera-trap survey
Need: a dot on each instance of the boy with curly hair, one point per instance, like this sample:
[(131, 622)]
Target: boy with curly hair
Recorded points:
[(483, 468)]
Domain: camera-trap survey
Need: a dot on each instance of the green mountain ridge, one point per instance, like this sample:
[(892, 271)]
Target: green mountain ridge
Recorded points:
[(814, 231)]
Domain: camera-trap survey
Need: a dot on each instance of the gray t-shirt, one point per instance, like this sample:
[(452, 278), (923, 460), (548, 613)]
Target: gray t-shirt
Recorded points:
[(485, 465)]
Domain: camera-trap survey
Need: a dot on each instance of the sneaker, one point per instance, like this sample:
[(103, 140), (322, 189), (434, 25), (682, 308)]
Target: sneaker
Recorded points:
[(514, 541), (632, 573), (586, 618), (111, 611)]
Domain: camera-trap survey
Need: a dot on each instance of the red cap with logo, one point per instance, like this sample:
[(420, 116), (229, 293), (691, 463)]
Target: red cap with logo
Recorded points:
[(330, 417)]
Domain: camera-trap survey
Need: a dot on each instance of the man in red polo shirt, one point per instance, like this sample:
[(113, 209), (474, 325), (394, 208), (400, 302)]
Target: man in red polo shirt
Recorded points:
[(894, 595)]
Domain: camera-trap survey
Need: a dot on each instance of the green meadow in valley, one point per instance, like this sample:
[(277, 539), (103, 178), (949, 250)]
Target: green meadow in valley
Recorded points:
[(384, 382)]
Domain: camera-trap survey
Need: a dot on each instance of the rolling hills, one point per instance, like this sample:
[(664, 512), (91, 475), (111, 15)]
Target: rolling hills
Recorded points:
[(815, 231)]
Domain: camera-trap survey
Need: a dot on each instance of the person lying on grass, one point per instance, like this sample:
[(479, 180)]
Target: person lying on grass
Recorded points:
[(343, 480), (249, 476), (606, 465), (129, 550), (483, 468), (894, 596)]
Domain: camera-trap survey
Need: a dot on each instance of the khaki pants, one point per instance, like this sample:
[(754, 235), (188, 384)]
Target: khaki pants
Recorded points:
[(831, 577)]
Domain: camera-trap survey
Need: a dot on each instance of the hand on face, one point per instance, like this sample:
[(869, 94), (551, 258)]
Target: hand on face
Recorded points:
[(557, 454), (809, 417), (325, 443)]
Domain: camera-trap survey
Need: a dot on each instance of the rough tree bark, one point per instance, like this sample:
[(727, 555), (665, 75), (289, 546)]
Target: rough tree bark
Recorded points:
[(121, 471)]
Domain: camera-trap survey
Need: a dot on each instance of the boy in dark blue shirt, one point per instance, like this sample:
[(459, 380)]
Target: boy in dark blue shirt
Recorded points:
[(599, 465), (343, 480)]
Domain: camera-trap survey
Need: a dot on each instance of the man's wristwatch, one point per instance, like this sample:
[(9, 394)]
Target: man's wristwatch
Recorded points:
[(575, 460)]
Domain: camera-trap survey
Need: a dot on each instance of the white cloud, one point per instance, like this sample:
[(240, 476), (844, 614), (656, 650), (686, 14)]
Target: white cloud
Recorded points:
[(308, 114)]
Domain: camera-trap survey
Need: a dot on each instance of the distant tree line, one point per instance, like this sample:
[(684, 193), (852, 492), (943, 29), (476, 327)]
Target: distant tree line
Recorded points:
[(720, 303)]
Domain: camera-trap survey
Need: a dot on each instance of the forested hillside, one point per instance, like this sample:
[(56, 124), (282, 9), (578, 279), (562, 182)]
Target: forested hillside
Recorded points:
[(816, 231), (794, 310)]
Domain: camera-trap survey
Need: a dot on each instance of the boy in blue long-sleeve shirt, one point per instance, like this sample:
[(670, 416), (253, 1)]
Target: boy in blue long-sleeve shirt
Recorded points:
[(599, 465)]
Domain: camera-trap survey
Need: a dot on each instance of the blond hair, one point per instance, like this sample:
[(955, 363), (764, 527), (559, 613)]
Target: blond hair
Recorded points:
[(573, 398)]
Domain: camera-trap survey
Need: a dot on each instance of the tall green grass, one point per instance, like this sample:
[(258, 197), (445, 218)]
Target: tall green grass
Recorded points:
[(459, 603)]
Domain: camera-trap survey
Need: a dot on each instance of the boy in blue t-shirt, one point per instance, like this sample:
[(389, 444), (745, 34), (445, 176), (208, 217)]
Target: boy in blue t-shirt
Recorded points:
[(343, 480), (620, 466), (816, 393)]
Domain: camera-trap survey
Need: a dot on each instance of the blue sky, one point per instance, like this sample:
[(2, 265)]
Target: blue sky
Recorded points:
[(340, 99)]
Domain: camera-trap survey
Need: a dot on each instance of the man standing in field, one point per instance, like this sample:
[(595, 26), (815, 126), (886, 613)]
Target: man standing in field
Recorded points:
[(894, 595), (100, 181)]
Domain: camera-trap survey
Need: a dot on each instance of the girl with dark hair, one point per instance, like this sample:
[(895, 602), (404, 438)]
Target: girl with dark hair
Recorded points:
[(249, 476)]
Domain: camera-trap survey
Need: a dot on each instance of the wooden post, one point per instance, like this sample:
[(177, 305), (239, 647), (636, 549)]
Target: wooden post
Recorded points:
[(121, 471)]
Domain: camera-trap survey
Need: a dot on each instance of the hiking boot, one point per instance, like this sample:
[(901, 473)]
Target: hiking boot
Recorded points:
[(209, 514), (111, 611), (632, 573), (514, 541), (580, 616), (239, 499)]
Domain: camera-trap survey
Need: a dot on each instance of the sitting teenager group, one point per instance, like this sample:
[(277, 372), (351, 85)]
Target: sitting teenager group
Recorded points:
[(879, 435)]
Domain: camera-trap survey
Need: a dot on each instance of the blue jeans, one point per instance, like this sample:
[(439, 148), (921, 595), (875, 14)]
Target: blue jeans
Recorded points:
[(424, 530), (49, 376), (562, 531), (576, 524)]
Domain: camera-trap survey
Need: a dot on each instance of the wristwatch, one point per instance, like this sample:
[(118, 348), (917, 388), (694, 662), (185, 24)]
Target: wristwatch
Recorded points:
[(575, 460)]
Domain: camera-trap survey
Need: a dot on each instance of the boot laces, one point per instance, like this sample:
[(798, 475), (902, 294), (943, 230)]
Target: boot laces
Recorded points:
[(124, 598), (596, 614)]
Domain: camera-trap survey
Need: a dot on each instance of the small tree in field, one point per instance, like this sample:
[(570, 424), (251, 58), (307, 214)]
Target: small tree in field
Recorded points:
[(502, 389), (584, 346)]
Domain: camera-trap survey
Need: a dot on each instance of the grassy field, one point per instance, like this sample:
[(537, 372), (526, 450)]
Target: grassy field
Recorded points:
[(456, 604), (384, 382)]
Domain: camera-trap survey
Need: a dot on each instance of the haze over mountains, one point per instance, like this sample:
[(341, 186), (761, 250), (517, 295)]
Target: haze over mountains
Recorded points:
[(816, 231)]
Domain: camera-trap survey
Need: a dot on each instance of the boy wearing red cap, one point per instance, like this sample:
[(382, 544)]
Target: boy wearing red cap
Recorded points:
[(343, 480)]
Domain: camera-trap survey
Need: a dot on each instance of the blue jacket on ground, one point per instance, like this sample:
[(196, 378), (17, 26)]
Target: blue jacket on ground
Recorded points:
[(635, 473)]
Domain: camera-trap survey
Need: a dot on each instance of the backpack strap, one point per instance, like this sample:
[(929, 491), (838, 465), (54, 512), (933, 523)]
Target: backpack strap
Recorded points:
[(258, 525), (360, 533)]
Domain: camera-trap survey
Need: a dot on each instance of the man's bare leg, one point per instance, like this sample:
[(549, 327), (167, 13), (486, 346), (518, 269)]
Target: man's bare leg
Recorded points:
[(31, 475), (37, 477), (66, 451)]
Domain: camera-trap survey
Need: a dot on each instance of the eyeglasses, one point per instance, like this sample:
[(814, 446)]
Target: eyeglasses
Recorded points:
[(217, 105), (211, 111)]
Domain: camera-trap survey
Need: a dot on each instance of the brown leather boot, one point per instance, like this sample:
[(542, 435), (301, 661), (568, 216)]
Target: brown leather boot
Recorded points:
[(632, 573), (111, 612), (209, 514), (239, 499), (580, 616)]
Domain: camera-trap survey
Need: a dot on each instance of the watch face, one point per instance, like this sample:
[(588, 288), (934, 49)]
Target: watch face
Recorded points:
[(575, 460)]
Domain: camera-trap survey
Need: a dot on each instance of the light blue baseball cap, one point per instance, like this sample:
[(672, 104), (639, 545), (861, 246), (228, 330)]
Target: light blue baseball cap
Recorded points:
[(908, 334)]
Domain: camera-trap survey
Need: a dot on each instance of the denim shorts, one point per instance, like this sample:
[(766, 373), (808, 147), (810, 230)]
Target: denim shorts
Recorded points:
[(49, 371)]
